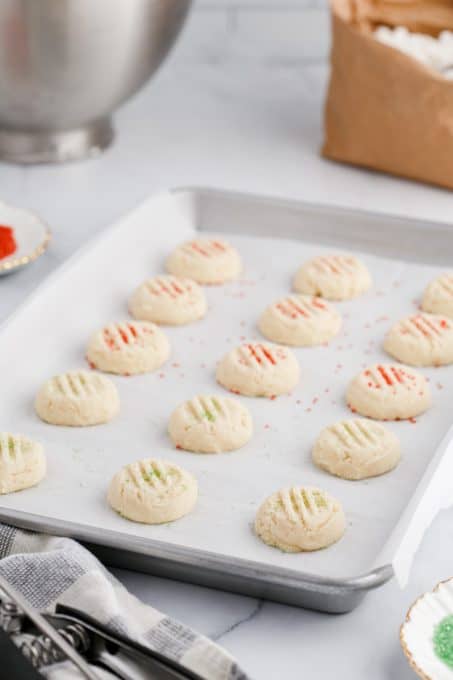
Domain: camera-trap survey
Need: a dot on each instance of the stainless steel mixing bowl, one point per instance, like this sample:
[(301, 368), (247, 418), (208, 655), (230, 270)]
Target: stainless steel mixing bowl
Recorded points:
[(66, 65)]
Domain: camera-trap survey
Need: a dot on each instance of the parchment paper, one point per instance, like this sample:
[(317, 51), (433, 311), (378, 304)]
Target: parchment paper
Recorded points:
[(49, 335)]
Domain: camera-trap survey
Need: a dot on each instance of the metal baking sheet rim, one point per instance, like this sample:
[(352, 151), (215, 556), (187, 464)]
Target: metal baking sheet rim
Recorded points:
[(212, 569), (243, 576)]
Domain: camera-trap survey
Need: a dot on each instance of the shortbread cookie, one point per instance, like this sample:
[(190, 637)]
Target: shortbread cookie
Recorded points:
[(128, 348), (421, 340), (22, 462), (300, 320), (152, 491), (357, 449), (438, 297), (210, 424), (170, 300), (300, 518), (335, 277), (77, 398), (389, 392), (205, 260), (258, 370)]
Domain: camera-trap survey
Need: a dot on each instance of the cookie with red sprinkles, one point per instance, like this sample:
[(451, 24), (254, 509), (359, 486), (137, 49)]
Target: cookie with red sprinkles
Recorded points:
[(258, 369), (389, 392)]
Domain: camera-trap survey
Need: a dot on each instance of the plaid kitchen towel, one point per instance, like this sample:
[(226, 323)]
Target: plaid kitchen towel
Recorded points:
[(48, 570)]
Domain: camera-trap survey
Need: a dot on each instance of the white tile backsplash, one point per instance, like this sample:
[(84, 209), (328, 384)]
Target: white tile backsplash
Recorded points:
[(271, 32)]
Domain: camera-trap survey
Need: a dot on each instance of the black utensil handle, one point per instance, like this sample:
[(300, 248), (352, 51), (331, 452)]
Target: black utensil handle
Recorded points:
[(14, 665)]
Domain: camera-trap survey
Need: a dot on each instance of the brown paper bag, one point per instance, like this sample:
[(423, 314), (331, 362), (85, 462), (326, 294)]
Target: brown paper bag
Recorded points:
[(384, 110)]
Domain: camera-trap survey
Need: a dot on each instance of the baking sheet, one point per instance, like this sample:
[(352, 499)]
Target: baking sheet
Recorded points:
[(49, 334)]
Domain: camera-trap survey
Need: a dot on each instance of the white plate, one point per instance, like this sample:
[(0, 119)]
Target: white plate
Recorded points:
[(418, 631), (32, 237)]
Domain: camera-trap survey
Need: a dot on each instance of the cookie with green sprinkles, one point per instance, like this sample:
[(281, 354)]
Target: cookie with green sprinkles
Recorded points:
[(152, 491), (210, 424)]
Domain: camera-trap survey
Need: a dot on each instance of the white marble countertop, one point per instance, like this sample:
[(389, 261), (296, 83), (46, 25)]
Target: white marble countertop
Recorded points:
[(252, 126)]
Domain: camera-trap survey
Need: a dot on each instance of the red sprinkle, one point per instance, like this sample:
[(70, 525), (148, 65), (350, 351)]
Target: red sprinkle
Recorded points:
[(199, 249), (254, 354), (316, 303), (268, 355), (8, 244), (124, 337), (385, 375)]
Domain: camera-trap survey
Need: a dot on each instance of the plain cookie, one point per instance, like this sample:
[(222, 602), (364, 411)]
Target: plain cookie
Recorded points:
[(421, 340), (22, 462), (300, 320), (356, 449), (438, 296), (77, 398), (258, 370), (208, 261), (300, 518), (168, 300), (389, 392), (210, 424), (152, 491), (335, 277), (128, 348)]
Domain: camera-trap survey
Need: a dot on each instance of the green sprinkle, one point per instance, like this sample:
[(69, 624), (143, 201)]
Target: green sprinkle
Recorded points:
[(320, 500), (152, 473), (443, 641), (210, 416)]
